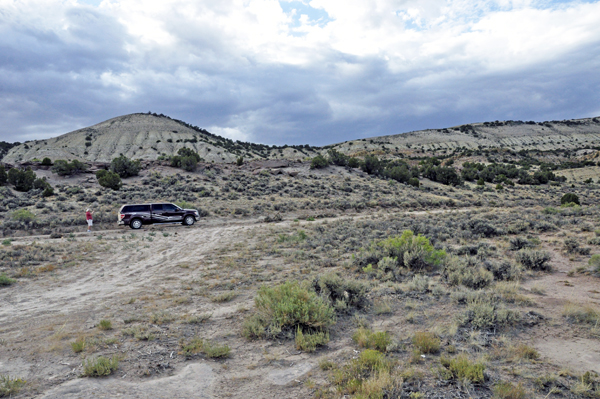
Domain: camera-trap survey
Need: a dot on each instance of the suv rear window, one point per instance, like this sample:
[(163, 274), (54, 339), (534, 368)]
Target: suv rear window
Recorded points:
[(136, 208)]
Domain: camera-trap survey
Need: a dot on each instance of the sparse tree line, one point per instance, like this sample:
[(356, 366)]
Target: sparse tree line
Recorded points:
[(24, 180), (432, 168)]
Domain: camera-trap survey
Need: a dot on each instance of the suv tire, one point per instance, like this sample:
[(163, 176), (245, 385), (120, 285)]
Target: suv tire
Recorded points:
[(135, 224), (188, 220)]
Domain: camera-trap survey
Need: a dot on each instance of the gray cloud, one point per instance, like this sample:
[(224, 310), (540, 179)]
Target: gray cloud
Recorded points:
[(56, 80)]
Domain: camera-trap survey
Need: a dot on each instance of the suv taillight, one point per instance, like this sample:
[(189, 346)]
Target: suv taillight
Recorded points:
[(121, 216)]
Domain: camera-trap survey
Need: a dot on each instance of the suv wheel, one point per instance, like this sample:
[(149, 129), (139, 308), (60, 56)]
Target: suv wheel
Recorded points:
[(135, 224), (189, 220)]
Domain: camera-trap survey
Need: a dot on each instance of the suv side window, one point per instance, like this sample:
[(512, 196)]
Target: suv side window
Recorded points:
[(169, 207), (157, 207), (136, 208)]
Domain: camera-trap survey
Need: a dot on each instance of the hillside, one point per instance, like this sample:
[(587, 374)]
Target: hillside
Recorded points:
[(148, 136), (144, 136)]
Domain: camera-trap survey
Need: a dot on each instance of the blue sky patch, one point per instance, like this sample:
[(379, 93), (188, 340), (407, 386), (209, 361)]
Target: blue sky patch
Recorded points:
[(315, 15)]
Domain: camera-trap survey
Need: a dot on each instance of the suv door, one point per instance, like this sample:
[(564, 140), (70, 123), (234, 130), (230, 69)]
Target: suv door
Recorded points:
[(173, 212), (158, 213)]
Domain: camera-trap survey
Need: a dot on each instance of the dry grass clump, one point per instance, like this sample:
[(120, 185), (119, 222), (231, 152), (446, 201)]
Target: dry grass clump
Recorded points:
[(287, 308), (309, 341), (10, 386), (224, 297), (371, 375), (426, 342), (78, 345), (507, 390), (582, 314), (100, 366), (368, 339), (461, 368), (199, 345), (105, 325)]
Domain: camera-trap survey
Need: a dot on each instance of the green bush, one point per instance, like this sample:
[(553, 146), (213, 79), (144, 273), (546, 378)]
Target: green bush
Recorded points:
[(239, 161), (461, 368), (595, 262), (353, 162), (286, 308), (371, 165), (64, 168), (10, 386), (337, 158), (125, 167), (413, 181), (5, 280), (48, 192), (319, 162), (109, 179), (100, 366), (23, 215), (46, 161), (569, 198), (3, 176), (189, 163), (21, 179)]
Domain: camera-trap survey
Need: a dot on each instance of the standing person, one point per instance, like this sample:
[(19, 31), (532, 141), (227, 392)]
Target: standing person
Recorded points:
[(88, 218)]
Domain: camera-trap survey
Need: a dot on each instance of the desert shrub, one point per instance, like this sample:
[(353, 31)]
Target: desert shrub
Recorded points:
[(595, 262), (40, 184), (371, 165), (342, 294), (125, 167), (319, 162), (484, 313), (64, 168), (368, 339), (353, 162), (571, 245), (48, 192), (5, 280), (518, 243), (309, 341), (569, 198), (109, 179), (461, 368), (22, 179), (199, 345), (3, 176), (100, 366), (23, 215), (426, 342), (507, 390), (467, 272), (533, 259), (10, 386), (482, 228), (408, 251), (286, 308), (239, 161), (337, 158), (413, 181), (46, 161), (504, 270)]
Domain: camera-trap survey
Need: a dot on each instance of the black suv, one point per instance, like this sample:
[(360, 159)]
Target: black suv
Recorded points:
[(135, 216)]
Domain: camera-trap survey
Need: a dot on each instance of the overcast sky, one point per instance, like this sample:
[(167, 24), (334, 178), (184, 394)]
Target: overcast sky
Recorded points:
[(296, 72)]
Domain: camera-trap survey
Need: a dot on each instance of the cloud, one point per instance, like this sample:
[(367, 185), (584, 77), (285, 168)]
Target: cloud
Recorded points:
[(295, 72)]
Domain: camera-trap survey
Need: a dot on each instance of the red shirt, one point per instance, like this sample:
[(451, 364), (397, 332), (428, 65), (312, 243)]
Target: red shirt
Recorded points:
[(88, 216)]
